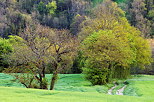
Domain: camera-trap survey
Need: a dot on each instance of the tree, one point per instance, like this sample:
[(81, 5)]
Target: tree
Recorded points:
[(139, 14), (5, 7), (27, 5), (42, 8), (51, 7), (64, 49), (79, 7), (39, 47), (104, 51), (75, 26), (133, 49), (12, 20), (138, 19), (106, 16)]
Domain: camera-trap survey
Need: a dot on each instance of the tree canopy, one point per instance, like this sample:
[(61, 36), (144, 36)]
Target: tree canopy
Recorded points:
[(110, 47)]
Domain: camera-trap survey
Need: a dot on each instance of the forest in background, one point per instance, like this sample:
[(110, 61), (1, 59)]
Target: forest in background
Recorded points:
[(61, 14), (43, 36)]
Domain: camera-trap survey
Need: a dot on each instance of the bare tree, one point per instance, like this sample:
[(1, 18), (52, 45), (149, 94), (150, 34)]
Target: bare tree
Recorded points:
[(64, 49), (41, 46)]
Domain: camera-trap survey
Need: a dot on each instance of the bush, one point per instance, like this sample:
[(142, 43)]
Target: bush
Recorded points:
[(97, 76)]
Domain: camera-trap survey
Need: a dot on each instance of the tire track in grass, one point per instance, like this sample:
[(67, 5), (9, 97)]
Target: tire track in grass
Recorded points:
[(121, 90), (110, 90)]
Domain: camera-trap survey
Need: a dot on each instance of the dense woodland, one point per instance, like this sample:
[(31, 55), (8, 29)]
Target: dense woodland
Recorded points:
[(103, 39)]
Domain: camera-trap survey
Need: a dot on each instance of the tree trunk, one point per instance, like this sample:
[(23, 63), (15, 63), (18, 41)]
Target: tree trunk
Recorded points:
[(53, 80), (55, 73), (41, 86), (109, 76), (43, 70)]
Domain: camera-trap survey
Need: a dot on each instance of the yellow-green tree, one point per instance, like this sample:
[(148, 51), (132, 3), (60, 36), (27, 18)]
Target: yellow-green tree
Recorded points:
[(51, 7), (111, 45), (104, 52)]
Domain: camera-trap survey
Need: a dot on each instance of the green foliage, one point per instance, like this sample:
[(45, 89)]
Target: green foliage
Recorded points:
[(77, 64), (96, 2), (151, 14), (75, 26), (102, 50), (120, 1), (15, 40), (16, 22), (45, 83), (95, 76), (51, 7), (27, 5), (139, 13), (5, 49), (41, 8), (5, 46), (46, 9), (112, 45)]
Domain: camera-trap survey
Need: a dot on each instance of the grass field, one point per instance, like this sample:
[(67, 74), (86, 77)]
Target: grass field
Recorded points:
[(73, 88), (66, 82)]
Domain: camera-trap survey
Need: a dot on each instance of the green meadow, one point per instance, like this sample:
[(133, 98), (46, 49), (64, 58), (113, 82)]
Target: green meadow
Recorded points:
[(74, 88)]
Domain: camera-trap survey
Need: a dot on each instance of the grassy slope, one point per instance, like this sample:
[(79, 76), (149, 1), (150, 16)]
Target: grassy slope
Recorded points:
[(66, 82), (73, 88), (34, 95), (141, 86), (6, 80)]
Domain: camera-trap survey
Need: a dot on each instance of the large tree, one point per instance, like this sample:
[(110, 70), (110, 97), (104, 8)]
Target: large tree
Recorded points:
[(100, 54), (42, 46), (104, 51), (64, 47)]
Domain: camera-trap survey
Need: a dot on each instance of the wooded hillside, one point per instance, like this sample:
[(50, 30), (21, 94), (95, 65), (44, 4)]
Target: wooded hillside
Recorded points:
[(104, 39)]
